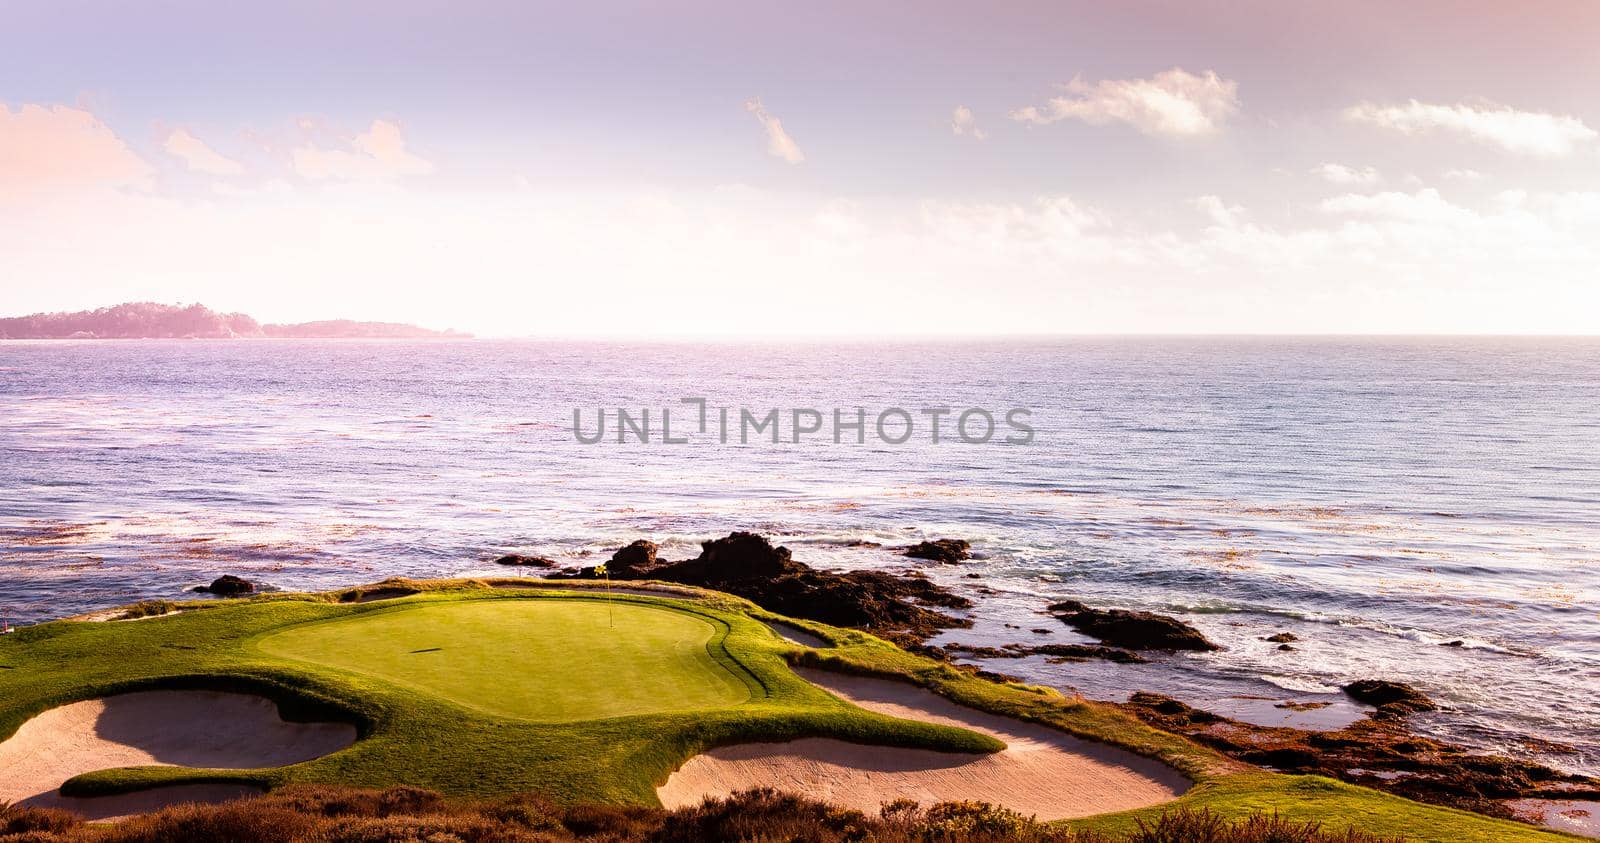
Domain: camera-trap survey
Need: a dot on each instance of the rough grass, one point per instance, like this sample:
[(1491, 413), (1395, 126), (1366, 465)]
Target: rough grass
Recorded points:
[(429, 741), (344, 815)]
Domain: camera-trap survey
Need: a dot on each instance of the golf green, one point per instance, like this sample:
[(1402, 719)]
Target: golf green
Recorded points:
[(542, 660)]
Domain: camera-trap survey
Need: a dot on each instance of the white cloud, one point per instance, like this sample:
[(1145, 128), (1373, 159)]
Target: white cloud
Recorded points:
[(962, 122), (378, 154), (1341, 174), (200, 157), (1173, 102), (1463, 175), (56, 148), (779, 143), (1522, 132)]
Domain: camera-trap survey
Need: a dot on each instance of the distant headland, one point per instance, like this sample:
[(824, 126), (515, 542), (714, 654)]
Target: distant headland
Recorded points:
[(150, 320)]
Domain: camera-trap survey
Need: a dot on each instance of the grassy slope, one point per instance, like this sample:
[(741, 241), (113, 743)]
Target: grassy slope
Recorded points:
[(427, 741)]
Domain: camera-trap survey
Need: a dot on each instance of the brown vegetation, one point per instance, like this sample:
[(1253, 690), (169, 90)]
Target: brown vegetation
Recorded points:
[(399, 815)]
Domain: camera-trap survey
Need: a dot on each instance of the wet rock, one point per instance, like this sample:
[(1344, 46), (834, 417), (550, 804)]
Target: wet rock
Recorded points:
[(1390, 697), (1131, 630), (943, 551), (1287, 648), (1281, 638), (520, 560), (228, 585)]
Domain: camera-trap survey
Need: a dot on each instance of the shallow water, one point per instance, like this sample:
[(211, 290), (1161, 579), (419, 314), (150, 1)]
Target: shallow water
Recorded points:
[(1381, 499)]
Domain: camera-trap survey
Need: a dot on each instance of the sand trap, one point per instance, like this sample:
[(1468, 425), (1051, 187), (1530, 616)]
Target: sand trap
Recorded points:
[(167, 728), (795, 635), (1042, 772)]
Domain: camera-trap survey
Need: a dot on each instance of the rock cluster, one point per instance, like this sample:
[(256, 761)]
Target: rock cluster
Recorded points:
[(748, 565), (1131, 630), (943, 551)]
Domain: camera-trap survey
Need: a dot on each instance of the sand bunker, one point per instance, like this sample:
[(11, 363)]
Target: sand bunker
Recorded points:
[(795, 635), (168, 728), (1042, 772)]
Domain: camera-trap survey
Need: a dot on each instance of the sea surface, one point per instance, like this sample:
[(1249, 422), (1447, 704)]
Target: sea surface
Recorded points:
[(1424, 510)]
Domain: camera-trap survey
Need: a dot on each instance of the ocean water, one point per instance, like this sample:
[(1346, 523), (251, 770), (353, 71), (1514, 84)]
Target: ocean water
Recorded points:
[(1379, 498)]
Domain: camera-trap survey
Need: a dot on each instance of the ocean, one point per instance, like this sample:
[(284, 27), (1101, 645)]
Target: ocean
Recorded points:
[(1417, 509)]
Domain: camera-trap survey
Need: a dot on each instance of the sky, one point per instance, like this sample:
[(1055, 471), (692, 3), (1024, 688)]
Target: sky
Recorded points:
[(923, 168)]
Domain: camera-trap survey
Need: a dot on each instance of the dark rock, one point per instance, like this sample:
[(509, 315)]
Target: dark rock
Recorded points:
[(1456, 643), (519, 559), (1281, 638), (1131, 630), (1287, 648), (228, 585), (974, 576), (1289, 759), (1389, 697), (636, 557), (943, 551), (747, 565)]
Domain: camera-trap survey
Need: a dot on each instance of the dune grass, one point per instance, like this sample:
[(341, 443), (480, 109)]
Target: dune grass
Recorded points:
[(621, 707)]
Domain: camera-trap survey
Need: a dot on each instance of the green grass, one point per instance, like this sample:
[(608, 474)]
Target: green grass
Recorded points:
[(545, 660), (530, 690)]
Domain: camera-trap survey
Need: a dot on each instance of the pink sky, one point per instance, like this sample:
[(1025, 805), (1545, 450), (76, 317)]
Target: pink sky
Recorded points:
[(628, 169)]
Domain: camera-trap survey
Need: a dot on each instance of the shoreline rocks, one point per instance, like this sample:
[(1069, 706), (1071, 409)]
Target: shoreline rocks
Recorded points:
[(943, 551), (1377, 752), (1391, 698), (1131, 630), (517, 559), (749, 566), (227, 585)]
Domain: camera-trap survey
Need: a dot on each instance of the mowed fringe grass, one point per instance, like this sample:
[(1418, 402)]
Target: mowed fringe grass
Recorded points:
[(471, 741)]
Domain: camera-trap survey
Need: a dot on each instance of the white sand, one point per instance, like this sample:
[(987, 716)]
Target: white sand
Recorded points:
[(167, 728), (1042, 772)]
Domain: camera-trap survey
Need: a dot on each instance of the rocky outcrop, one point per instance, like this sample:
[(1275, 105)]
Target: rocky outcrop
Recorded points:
[(228, 585), (748, 565), (635, 558), (517, 559), (1391, 698), (1131, 630), (943, 551)]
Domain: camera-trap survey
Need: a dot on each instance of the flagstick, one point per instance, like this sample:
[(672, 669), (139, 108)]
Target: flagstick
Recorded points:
[(611, 614)]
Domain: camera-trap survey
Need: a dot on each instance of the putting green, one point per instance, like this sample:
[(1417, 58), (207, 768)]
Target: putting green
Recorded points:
[(548, 660)]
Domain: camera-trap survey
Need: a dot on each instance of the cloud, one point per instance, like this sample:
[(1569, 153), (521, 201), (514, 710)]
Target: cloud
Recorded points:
[(57, 148), (962, 122), (1341, 174), (199, 157), (378, 154), (1463, 175), (779, 143), (1173, 102), (1521, 132)]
